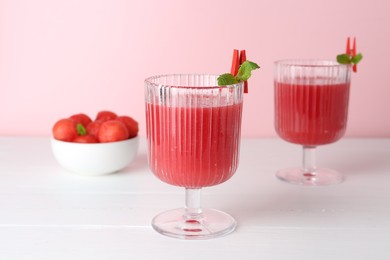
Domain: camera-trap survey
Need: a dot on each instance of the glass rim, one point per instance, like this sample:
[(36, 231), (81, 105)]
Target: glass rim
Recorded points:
[(149, 80), (317, 63)]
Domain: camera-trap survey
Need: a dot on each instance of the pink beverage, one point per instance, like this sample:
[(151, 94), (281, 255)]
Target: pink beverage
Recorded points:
[(311, 108), (311, 114), (193, 134), (193, 147)]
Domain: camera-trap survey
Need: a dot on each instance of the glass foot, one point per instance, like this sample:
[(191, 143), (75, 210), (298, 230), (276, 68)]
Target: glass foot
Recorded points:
[(322, 177), (210, 224)]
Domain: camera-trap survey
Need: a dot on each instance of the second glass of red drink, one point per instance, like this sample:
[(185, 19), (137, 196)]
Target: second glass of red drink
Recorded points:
[(311, 108)]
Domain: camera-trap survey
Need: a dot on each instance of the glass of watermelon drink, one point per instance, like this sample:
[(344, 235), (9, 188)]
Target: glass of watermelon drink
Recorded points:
[(311, 108), (193, 133)]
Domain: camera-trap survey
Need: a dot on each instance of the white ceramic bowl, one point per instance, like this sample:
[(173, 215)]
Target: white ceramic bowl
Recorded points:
[(95, 159)]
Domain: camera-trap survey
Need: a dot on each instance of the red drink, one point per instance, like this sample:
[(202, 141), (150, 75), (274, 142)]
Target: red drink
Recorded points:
[(311, 108), (311, 114), (193, 147), (193, 131)]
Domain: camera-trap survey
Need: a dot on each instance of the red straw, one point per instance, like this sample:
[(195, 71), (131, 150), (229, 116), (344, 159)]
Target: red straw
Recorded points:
[(348, 50), (242, 59), (354, 67), (235, 63)]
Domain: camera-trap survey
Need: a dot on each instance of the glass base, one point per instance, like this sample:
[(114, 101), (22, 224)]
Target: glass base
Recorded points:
[(322, 177), (210, 224)]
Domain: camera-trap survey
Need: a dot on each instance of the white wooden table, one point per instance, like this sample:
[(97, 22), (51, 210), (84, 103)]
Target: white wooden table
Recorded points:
[(49, 213)]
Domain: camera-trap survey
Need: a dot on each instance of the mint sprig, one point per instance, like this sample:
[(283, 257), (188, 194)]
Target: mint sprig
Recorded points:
[(243, 74), (349, 59), (226, 79), (245, 70)]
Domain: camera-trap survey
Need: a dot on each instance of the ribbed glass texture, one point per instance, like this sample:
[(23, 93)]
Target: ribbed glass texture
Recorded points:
[(311, 101), (193, 129)]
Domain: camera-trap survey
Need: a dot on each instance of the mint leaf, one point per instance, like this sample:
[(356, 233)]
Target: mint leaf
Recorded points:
[(245, 70), (343, 59), (81, 129), (347, 59), (226, 79), (244, 73), (357, 58)]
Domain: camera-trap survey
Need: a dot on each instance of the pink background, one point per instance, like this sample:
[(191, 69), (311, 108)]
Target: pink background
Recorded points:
[(58, 58)]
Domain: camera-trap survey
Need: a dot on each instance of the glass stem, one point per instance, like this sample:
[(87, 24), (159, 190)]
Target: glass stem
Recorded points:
[(309, 161), (192, 207)]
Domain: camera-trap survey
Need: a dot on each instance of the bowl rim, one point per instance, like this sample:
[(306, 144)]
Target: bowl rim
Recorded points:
[(107, 143)]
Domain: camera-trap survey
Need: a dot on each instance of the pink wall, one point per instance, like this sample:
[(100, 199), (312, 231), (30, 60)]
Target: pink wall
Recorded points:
[(59, 58)]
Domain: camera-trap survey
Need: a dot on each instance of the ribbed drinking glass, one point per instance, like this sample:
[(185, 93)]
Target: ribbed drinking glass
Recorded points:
[(193, 136), (311, 109)]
